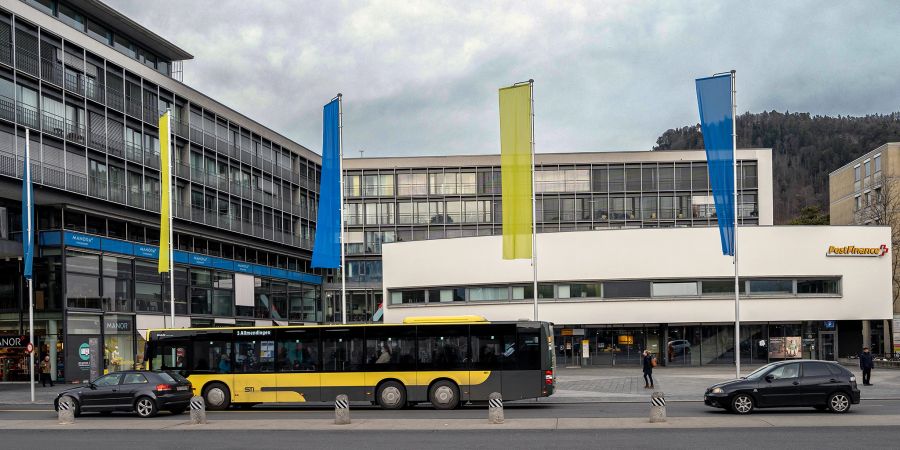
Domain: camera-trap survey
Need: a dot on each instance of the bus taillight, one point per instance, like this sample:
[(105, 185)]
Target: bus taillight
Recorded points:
[(548, 377)]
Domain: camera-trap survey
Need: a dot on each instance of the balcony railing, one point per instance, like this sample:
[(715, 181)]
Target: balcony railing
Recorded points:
[(133, 106), (116, 144), (209, 140), (7, 108), (196, 135), (51, 71), (53, 124), (76, 182), (97, 187), (54, 176), (151, 201), (117, 192), (94, 90), (135, 199), (151, 115), (151, 159), (183, 170), (98, 138), (134, 153), (75, 132), (26, 60), (114, 98), (6, 53), (75, 83), (28, 115)]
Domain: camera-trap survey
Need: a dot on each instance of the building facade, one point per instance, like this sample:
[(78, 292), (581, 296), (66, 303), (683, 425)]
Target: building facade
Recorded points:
[(90, 84), (865, 192), (425, 198), (613, 293)]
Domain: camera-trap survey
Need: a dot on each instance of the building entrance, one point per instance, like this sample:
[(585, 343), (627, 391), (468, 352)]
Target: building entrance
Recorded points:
[(827, 345)]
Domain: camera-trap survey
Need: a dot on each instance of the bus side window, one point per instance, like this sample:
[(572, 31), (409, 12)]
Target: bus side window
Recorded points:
[(212, 353), (528, 355), (342, 349), (169, 356), (493, 346)]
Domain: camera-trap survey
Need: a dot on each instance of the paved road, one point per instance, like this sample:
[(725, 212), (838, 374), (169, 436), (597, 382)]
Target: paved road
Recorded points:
[(511, 411), (795, 438)]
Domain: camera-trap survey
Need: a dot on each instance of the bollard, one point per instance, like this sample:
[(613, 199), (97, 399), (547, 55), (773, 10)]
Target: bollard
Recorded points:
[(495, 408), (66, 410), (198, 410), (657, 407), (341, 410)]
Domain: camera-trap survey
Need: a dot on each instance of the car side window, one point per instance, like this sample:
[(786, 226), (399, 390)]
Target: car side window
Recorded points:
[(786, 371), (815, 369), (135, 378), (834, 369), (108, 380)]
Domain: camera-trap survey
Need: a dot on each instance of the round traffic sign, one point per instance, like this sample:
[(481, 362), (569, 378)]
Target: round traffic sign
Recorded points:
[(29, 348)]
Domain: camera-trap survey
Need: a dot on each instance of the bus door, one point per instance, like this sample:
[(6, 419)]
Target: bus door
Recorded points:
[(522, 374), (297, 362), (342, 359), (255, 380), (488, 353)]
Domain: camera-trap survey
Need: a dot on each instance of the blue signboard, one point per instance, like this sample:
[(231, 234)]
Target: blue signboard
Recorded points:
[(223, 264), (243, 267), (829, 324), (146, 251), (116, 246), (50, 239), (82, 241)]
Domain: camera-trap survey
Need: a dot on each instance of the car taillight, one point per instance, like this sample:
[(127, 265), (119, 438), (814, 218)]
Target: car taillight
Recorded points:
[(164, 387), (548, 377)]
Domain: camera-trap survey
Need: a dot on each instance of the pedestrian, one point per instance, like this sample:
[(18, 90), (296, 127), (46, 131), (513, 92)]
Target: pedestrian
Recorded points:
[(647, 362), (45, 369), (866, 363)]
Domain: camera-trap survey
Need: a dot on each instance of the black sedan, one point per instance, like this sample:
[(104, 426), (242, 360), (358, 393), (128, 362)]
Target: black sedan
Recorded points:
[(824, 385), (141, 391)]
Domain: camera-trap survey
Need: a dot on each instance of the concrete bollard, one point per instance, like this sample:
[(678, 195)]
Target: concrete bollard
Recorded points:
[(66, 410), (341, 410), (657, 407), (495, 408), (198, 410)]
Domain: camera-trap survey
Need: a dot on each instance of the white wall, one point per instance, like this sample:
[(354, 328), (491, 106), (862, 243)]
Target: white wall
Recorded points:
[(788, 251)]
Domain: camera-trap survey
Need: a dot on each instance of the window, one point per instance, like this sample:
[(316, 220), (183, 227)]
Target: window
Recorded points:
[(391, 348), (83, 291), (298, 350), (488, 293), (816, 369), (785, 371), (492, 346), (443, 347), (411, 296), (829, 286), (771, 286), (148, 297), (626, 289), (412, 184), (212, 353), (254, 356), (675, 289), (122, 44), (877, 160), (108, 380), (70, 17), (135, 378), (578, 290), (721, 287), (342, 349), (99, 32), (447, 295)]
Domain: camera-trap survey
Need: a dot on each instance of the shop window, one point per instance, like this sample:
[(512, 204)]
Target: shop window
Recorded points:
[(82, 263), (148, 297), (82, 291), (201, 301)]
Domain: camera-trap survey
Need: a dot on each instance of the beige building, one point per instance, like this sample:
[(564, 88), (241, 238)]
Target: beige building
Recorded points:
[(862, 192)]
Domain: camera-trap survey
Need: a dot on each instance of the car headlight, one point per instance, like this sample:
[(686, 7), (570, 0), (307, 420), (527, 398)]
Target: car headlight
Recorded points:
[(718, 390)]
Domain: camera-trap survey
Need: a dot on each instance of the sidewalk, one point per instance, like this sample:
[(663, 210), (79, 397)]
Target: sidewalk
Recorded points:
[(621, 384), (593, 384)]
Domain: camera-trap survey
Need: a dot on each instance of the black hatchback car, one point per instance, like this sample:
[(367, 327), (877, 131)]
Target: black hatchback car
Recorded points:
[(824, 385), (141, 391)]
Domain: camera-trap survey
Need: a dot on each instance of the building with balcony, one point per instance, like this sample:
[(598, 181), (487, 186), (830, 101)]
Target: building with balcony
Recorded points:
[(90, 84)]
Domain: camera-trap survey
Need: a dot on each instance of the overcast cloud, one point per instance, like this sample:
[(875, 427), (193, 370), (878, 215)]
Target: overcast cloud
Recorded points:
[(421, 78)]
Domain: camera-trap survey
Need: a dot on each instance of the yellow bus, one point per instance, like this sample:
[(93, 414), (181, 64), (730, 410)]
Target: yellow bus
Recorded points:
[(445, 361)]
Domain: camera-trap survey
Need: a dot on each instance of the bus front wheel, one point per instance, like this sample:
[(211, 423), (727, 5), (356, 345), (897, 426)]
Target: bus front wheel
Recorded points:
[(217, 396), (391, 395), (444, 394)]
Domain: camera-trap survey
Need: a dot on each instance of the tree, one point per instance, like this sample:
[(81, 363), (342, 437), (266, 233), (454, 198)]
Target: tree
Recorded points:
[(882, 207), (811, 215)]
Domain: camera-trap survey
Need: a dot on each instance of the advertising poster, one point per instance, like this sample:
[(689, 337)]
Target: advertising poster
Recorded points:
[(896, 334), (789, 347)]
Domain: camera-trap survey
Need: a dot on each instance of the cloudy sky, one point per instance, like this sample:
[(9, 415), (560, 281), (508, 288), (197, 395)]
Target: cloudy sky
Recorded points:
[(421, 77)]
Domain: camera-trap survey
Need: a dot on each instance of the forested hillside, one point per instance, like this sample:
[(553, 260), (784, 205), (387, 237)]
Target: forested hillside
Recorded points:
[(805, 149)]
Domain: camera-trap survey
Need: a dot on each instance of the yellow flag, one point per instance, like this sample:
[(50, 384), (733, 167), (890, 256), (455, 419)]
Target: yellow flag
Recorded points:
[(166, 178), (516, 170)]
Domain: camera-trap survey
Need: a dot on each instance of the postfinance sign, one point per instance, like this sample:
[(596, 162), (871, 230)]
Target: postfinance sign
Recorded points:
[(852, 250)]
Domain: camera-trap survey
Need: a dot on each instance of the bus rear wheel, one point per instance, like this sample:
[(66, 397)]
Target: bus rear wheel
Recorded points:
[(444, 394), (391, 395), (217, 396)]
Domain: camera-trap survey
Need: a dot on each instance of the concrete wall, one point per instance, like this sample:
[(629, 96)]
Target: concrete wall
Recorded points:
[(788, 251)]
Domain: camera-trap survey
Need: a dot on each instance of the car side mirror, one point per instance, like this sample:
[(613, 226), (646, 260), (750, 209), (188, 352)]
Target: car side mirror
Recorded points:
[(92, 385), (769, 378)]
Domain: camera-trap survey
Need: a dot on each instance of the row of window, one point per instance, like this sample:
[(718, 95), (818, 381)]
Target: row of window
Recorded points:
[(76, 19), (622, 290), (863, 180), (599, 178)]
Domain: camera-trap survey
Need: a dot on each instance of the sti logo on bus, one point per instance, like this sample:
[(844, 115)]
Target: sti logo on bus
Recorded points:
[(254, 332)]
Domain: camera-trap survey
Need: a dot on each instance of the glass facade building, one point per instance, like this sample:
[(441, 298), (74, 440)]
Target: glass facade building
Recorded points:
[(90, 85)]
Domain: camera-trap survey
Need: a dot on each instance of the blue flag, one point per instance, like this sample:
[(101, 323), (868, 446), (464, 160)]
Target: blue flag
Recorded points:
[(327, 247), (716, 122), (27, 213)]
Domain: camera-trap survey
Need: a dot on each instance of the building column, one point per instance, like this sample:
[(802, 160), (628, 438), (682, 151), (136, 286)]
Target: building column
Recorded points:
[(866, 334), (888, 334)]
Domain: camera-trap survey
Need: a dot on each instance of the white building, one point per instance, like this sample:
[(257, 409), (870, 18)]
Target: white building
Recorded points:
[(615, 292)]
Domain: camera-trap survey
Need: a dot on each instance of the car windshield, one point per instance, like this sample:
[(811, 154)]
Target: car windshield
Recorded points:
[(756, 374)]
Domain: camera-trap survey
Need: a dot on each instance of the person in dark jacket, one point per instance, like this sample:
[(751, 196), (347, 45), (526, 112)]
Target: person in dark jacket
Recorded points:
[(647, 364), (866, 363)]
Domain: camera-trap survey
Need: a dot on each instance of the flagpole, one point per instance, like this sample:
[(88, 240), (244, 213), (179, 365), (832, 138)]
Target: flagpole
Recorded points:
[(533, 207), (341, 196), (171, 215), (737, 296), (29, 235)]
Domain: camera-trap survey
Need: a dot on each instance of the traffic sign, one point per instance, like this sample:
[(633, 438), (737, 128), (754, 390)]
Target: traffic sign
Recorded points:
[(29, 348)]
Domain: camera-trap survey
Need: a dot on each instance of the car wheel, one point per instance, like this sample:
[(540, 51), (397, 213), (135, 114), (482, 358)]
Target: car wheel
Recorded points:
[(145, 407), (839, 402), (178, 411), (391, 395), (742, 404), (444, 395), (217, 397)]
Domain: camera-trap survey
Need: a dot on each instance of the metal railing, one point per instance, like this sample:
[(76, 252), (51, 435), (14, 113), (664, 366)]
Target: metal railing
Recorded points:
[(51, 71), (151, 159), (7, 108), (183, 170), (6, 53), (133, 107), (151, 201), (114, 98), (135, 199), (116, 144), (97, 187), (196, 135), (117, 192), (151, 115), (76, 181), (94, 90), (134, 153), (54, 176), (53, 124), (26, 60), (75, 132), (74, 83), (98, 139)]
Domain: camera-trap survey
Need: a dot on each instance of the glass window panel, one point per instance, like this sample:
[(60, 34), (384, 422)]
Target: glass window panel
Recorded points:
[(82, 263), (771, 286), (632, 179), (616, 179), (488, 293), (443, 347), (699, 177), (675, 289), (721, 287), (626, 289), (649, 178), (601, 180), (827, 286), (298, 351)]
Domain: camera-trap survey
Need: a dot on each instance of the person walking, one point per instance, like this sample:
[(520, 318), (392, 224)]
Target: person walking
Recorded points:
[(866, 363), (647, 363), (45, 368)]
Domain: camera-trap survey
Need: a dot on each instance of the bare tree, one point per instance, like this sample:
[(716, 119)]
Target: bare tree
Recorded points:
[(881, 206)]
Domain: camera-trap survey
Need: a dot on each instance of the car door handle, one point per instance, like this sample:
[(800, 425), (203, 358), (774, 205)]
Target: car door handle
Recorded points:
[(833, 380), (796, 383)]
